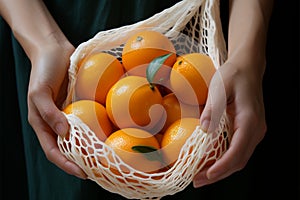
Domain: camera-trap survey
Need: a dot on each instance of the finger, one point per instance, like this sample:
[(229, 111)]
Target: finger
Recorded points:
[(237, 155), (48, 141), (49, 112), (222, 168), (235, 158), (200, 179), (54, 155), (215, 104)]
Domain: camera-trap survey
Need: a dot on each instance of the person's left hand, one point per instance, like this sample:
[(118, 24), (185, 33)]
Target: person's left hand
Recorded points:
[(238, 90)]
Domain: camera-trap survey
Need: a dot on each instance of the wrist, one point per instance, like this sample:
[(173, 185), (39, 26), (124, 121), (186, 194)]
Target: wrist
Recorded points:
[(34, 44), (53, 43), (33, 25), (248, 67), (248, 58)]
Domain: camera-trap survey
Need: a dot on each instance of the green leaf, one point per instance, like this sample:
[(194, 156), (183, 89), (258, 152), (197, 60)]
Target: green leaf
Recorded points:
[(149, 152), (154, 66)]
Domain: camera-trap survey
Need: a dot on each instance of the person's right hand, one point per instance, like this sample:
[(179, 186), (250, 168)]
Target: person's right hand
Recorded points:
[(47, 90), (49, 52)]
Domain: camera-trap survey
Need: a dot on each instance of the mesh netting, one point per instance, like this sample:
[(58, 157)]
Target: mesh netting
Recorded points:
[(192, 26)]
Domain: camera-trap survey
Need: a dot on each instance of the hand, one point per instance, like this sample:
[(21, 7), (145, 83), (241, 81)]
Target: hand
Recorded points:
[(47, 90), (239, 91)]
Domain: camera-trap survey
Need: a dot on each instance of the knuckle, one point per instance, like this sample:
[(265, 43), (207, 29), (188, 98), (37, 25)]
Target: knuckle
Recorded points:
[(260, 124), (50, 155), (48, 114), (30, 119), (241, 165), (33, 91), (263, 132)]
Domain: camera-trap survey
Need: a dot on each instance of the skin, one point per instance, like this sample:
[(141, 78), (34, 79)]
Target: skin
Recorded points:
[(239, 80), (49, 52), (237, 87)]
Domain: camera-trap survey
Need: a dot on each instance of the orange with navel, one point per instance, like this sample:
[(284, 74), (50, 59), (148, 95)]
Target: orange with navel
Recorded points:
[(143, 47), (93, 114), (133, 102), (190, 78), (96, 75)]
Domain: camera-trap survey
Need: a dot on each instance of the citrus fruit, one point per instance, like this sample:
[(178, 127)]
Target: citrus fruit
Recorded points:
[(143, 47), (175, 137), (133, 102), (96, 75), (93, 114), (176, 110), (190, 77), (137, 148)]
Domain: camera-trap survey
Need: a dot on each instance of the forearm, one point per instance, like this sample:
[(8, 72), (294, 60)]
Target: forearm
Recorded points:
[(32, 25), (247, 32)]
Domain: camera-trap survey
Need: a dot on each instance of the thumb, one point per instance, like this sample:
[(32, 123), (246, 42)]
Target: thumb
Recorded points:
[(50, 113), (215, 104)]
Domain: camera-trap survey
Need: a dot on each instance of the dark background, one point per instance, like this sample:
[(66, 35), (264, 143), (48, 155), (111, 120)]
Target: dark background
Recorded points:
[(277, 157), (274, 166)]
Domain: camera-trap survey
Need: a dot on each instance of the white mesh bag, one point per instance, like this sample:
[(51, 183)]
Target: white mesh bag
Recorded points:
[(193, 26)]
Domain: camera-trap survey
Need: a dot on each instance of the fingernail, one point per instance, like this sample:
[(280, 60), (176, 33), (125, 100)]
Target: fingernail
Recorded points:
[(61, 129), (81, 176), (213, 175), (200, 179), (199, 183)]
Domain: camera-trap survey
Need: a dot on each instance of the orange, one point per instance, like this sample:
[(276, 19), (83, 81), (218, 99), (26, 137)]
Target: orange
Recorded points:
[(190, 77), (144, 46), (93, 114), (131, 102), (175, 137), (176, 110), (96, 75), (123, 143)]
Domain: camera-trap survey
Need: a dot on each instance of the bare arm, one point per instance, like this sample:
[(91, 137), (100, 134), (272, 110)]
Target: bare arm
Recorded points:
[(31, 24), (48, 50), (240, 82), (248, 26)]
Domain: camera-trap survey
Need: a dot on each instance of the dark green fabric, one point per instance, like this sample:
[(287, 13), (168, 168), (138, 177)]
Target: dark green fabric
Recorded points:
[(79, 20), (11, 144)]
